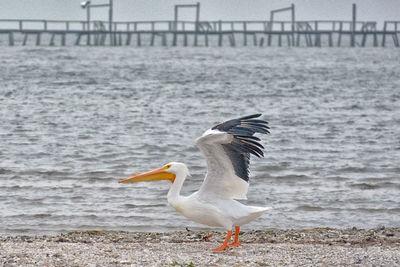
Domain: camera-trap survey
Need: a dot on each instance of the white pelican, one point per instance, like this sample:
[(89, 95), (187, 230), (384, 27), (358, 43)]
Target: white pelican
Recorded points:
[(227, 148)]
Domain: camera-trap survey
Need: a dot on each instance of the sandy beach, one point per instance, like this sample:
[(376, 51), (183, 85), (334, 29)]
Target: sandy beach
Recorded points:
[(311, 247)]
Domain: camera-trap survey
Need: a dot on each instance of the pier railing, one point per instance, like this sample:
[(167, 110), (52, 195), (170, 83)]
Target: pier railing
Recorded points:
[(311, 31)]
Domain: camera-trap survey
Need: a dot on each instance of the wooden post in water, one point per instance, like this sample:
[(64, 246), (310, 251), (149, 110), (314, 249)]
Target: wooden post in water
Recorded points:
[(317, 36), (375, 38), (120, 39), (88, 23), (128, 39), (384, 34), (63, 39), (293, 24), (25, 39), (103, 38), (110, 21), (232, 40), (232, 36), (206, 38), (395, 40), (197, 24), (128, 35), (309, 36), (152, 34), (339, 41), (139, 39), (95, 36), (114, 34), (219, 33), (298, 36), (38, 39), (185, 39), (175, 26), (330, 39), (10, 39), (270, 30), (353, 26), (261, 44), (244, 33), (394, 36), (364, 37), (52, 39), (78, 39)]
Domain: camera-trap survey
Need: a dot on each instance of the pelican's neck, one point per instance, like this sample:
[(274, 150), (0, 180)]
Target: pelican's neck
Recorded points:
[(174, 191)]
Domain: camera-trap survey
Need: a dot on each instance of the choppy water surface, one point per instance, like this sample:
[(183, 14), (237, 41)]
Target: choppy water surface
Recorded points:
[(74, 120)]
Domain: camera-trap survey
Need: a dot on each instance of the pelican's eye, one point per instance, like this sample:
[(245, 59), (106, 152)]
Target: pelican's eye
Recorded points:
[(167, 166)]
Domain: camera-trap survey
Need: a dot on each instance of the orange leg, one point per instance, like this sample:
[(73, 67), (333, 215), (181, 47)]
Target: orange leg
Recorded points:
[(236, 240), (225, 244)]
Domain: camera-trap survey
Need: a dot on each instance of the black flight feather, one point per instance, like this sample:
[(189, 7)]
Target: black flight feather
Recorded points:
[(244, 143)]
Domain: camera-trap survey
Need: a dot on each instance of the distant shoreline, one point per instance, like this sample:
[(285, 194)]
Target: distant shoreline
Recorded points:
[(318, 246)]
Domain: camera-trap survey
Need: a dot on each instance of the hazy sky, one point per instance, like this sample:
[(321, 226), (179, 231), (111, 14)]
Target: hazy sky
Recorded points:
[(130, 10)]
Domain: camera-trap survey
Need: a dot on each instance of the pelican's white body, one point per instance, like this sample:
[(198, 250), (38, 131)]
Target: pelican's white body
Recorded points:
[(215, 212), (214, 204)]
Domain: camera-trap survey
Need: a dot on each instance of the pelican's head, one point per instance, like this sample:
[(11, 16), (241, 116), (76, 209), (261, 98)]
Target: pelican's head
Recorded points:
[(166, 172)]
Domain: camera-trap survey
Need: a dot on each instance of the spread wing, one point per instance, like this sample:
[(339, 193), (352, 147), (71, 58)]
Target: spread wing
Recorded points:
[(227, 148)]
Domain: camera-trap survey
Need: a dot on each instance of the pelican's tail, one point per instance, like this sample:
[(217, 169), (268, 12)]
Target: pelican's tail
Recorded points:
[(253, 213), (259, 210)]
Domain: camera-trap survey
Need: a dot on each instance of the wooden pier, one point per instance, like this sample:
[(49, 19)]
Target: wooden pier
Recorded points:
[(331, 33)]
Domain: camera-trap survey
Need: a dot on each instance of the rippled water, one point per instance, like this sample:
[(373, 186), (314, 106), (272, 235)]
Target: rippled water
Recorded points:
[(74, 120)]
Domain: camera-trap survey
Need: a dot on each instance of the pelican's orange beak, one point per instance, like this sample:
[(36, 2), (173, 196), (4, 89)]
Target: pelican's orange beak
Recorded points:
[(158, 174)]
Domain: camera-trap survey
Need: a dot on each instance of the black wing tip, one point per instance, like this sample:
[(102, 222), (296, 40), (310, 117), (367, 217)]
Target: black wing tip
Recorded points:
[(249, 119), (250, 116), (244, 142), (243, 130), (253, 118), (252, 124)]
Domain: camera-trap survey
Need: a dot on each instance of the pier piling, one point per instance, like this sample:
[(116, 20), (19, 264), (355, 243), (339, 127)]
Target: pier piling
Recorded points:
[(10, 39), (353, 26), (25, 39)]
